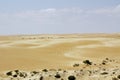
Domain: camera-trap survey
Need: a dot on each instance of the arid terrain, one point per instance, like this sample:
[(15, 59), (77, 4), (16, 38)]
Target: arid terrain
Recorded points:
[(62, 52)]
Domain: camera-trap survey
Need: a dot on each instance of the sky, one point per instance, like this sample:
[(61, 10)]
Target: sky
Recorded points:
[(59, 16)]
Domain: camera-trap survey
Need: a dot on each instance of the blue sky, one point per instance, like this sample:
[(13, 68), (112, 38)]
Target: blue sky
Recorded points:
[(59, 16)]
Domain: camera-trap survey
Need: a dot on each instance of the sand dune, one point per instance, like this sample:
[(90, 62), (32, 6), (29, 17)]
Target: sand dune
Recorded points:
[(55, 51)]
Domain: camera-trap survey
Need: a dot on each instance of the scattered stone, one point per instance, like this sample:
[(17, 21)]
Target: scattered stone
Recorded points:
[(59, 69), (23, 74), (9, 73), (85, 73), (17, 71), (14, 75), (34, 72), (114, 78), (104, 73), (76, 65), (118, 76), (45, 70), (87, 62), (57, 76), (104, 62), (41, 78), (107, 58), (71, 78)]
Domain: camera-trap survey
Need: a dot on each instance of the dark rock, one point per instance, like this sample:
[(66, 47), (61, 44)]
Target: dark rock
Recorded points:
[(17, 71), (118, 76), (23, 74), (45, 70), (107, 58), (64, 71), (104, 73), (34, 72), (57, 76), (104, 62), (71, 78), (76, 65), (114, 78), (14, 75), (62, 79), (59, 69), (9, 73), (113, 72), (87, 62), (41, 78)]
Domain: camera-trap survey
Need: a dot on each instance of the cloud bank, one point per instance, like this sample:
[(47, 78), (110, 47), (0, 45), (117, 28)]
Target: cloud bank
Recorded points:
[(66, 20)]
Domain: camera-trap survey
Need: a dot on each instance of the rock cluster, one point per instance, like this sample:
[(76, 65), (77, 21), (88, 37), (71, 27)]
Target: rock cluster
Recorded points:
[(90, 72)]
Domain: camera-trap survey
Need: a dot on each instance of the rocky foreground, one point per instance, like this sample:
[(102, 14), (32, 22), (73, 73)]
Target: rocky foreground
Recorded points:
[(108, 69)]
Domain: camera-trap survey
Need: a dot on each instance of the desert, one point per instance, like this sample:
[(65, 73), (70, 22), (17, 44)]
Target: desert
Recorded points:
[(60, 57)]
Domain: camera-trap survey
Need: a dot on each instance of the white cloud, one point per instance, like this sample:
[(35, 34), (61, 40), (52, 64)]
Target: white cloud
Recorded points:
[(118, 7), (46, 16), (113, 11), (62, 20), (50, 11)]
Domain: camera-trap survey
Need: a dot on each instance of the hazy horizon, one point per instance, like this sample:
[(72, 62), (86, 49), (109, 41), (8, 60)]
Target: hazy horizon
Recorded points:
[(59, 17)]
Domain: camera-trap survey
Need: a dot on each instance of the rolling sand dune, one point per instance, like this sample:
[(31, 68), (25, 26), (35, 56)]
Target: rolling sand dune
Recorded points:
[(34, 52)]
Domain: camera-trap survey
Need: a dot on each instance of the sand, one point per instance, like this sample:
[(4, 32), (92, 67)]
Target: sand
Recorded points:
[(36, 52)]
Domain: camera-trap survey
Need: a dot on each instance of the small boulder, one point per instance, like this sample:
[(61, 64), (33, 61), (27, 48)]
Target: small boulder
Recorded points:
[(104, 73), (41, 78), (114, 78), (76, 65), (71, 78), (87, 62), (118, 76), (9, 73), (14, 76), (57, 76), (45, 70)]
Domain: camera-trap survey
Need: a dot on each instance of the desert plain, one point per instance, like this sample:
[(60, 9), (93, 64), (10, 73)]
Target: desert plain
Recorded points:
[(61, 51)]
